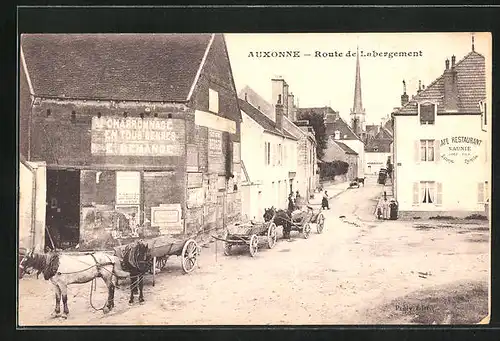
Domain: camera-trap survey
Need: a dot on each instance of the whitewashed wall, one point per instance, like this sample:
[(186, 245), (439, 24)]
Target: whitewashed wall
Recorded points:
[(459, 181)]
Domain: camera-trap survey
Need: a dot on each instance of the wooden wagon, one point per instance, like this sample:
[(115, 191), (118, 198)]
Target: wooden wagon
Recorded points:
[(161, 248), (251, 234), (301, 221)]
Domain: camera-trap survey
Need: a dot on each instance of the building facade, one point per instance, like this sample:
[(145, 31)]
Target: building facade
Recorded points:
[(338, 130), (269, 155), (442, 154), (306, 177), (146, 146), (378, 143), (338, 151)]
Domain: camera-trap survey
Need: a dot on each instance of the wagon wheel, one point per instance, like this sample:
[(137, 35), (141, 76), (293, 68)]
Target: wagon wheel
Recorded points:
[(189, 255), (306, 230), (320, 223), (272, 235), (227, 245), (253, 245)]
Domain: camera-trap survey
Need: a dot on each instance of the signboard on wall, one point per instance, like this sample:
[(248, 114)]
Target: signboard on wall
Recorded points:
[(128, 188), (195, 197), (455, 149), (168, 218), (131, 136), (194, 180), (215, 156), (192, 158)]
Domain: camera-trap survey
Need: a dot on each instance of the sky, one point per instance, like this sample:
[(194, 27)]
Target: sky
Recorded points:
[(320, 81)]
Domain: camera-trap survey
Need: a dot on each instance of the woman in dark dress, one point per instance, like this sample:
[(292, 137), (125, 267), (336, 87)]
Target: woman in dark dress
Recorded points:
[(324, 202)]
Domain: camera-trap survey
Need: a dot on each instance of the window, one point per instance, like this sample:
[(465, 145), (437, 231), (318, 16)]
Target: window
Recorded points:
[(482, 192), (427, 113), (213, 101), (427, 192), (280, 155), (426, 150), (337, 135)]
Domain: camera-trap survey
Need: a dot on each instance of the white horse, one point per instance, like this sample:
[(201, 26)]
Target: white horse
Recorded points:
[(64, 269)]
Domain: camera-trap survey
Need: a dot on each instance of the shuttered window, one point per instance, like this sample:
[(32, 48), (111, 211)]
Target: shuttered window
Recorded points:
[(416, 152), (439, 193), (416, 193), (437, 153), (480, 193), (427, 150)]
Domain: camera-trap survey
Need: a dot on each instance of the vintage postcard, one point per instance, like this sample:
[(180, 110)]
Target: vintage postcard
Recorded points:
[(254, 179)]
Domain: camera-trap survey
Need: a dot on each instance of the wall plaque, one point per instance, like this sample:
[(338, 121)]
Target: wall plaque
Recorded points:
[(128, 188)]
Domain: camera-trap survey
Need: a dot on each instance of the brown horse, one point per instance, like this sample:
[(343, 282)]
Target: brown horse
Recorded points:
[(64, 269), (136, 260)]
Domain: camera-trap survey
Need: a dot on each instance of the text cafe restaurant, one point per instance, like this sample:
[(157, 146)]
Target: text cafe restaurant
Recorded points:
[(120, 170)]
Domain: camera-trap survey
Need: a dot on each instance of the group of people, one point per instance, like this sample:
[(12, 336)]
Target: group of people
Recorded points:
[(294, 201)]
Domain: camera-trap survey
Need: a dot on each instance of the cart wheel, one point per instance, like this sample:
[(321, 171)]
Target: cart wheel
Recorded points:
[(227, 245), (189, 256), (306, 230), (320, 224), (272, 235), (254, 245)]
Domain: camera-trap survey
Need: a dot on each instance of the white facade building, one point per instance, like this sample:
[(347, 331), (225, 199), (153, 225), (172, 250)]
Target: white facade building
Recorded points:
[(374, 161), (442, 157), (269, 155)]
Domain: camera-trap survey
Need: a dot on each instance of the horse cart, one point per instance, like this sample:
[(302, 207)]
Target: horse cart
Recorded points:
[(251, 234), (163, 247), (299, 220)]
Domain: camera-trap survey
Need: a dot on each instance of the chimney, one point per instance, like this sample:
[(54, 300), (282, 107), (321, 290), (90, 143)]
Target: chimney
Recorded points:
[(285, 100), (291, 107), (419, 87), (450, 87), (279, 111), (404, 96), (246, 97)]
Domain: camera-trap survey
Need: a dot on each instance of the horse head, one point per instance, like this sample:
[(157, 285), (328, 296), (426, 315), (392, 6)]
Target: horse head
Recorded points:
[(141, 254), (269, 213), (26, 262)]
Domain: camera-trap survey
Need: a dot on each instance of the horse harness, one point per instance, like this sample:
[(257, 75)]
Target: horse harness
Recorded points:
[(100, 265)]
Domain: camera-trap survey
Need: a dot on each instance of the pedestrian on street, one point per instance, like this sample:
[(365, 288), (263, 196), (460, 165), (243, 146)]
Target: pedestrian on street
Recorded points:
[(324, 202), (291, 204), (385, 208)]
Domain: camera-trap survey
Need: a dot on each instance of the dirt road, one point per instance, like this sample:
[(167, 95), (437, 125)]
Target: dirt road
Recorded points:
[(338, 277)]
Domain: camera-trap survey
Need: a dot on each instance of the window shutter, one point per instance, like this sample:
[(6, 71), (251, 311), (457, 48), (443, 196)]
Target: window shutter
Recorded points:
[(439, 193), (437, 153), (486, 192), (417, 151), (416, 194), (480, 192)]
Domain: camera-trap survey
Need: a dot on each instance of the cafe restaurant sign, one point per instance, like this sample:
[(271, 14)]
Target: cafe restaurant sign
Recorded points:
[(130, 136), (455, 149)]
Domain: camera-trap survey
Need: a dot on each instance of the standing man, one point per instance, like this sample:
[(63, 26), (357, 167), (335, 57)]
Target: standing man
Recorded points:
[(291, 205)]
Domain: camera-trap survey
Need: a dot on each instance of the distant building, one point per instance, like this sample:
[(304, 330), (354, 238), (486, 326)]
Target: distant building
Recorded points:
[(337, 130), (441, 143), (339, 151), (378, 143)]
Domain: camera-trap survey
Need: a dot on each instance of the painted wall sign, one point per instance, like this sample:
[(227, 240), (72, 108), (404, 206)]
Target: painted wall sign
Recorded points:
[(130, 136), (460, 148), (128, 188)]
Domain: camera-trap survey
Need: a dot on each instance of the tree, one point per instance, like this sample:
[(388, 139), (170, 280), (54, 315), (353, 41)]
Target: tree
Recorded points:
[(318, 124), (329, 170)]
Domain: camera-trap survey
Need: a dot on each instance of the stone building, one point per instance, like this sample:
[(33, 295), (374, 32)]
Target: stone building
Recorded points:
[(139, 134)]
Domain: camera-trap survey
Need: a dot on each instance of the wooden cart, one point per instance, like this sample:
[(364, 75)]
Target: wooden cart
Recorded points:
[(250, 234)]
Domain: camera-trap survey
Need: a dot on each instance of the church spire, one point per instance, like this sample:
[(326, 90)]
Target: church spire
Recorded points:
[(358, 103)]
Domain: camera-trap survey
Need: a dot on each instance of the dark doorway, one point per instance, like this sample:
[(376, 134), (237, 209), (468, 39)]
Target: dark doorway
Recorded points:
[(62, 208)]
